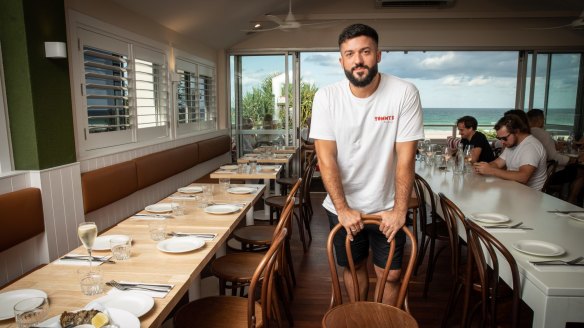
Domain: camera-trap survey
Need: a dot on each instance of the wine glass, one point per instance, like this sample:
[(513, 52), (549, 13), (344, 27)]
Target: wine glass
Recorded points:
[(420, 150), (468, 154), (447, 152), (87, 231)]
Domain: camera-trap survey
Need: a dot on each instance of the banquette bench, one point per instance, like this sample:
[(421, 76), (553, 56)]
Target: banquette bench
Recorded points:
[(21, 216), (106, 185)]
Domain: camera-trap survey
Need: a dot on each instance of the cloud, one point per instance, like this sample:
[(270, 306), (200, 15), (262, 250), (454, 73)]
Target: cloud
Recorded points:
[(452, 80), (323, 59), (479, 80), (437, 62)]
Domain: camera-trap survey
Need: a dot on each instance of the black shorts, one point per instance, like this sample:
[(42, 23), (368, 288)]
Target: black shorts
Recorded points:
[(568, 174), (360, 245)]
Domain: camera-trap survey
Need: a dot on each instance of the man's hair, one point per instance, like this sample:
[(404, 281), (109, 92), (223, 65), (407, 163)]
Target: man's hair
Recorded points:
[(355, 30), (520, 113), (535, 114), (513, 123), (469, 122)]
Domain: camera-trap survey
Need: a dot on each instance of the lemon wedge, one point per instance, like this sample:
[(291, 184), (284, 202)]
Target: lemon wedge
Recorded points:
[(99, 320)]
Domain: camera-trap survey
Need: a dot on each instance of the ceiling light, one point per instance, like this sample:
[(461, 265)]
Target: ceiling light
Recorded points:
[(257, 26)]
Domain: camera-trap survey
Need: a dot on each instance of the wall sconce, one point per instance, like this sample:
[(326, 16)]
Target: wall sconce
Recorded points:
[(55, 50)]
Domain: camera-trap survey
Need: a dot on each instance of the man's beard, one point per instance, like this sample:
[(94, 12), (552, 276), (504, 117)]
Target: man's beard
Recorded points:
[(366, 80)]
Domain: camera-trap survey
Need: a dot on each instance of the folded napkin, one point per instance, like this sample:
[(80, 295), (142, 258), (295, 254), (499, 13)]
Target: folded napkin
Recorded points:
[(558, 268), (150, 217), (184, 197), (155, 294), (225, 172), (506, 230), (82, 261)]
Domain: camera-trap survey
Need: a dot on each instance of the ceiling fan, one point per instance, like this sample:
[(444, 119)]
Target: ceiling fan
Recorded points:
[(287, 24), (576, 24)]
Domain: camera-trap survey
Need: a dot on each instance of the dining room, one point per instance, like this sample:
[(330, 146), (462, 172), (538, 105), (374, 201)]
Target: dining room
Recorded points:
[(137, 116)]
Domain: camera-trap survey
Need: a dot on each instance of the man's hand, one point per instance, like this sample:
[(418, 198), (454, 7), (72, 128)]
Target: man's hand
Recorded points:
[(482, 168), (391, 223), (351, 221)]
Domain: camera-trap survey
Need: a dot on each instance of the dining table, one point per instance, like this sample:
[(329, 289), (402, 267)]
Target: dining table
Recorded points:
[(555, 231), (266, 173), (276, 149), (149, 262)]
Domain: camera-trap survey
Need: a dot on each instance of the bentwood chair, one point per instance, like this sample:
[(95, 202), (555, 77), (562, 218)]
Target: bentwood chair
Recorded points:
[(485, 248), (455, 220), (431, 230), (256, 310), (235, 270), (550, 170), (369, 314)]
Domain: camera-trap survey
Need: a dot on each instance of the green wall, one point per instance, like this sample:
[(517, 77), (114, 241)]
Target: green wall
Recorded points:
[(37, 88)]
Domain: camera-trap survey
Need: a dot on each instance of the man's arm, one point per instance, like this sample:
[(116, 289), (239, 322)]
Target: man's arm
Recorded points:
[(326, 150), (521, 176), (475, 154), (393, 220)]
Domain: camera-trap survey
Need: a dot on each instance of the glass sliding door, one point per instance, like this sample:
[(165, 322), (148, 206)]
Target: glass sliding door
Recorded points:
[(553, 86), (263, 94)]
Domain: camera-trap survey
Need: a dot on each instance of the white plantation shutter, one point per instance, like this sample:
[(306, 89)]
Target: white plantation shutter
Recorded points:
[(196, 97)]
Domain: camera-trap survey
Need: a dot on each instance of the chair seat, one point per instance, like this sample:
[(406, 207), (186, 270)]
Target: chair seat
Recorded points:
[(278, 201), (236, 267), (255, 235), (367, 314), (216, 312)]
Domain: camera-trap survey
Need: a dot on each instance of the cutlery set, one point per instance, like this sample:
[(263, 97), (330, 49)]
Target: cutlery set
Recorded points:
[(136, 286), (210, 236), (507, 226), (85, 257), (575, 261), (153, 215), (564, 212)]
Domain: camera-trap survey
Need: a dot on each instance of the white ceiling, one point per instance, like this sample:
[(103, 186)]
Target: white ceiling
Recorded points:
[(221, 23)]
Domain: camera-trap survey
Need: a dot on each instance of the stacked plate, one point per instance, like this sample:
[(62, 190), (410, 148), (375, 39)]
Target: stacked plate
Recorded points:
[(190, 190), (160, 208), (9, 299)]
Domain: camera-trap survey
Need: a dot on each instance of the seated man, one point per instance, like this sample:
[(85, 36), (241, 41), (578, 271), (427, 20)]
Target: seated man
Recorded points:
[(523, 159), (567, 170), (481, 152)]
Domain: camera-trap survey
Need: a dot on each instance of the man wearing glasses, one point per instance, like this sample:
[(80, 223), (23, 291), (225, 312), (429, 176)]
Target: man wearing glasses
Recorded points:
[(524, 158)]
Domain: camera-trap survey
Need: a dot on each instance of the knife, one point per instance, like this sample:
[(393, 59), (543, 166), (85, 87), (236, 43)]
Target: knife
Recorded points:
[(85, 257), (557, 263), (154, 215), (161, 287), (565, 212), (506, 227)]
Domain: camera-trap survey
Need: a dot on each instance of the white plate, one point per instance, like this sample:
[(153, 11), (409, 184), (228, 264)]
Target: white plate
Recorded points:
[(121, 318), (490, 217), (160, 208), (222, 209), (269, 168), (180, 244), (190, 190), (102, 243), (538, 248), (134, 302), (9, 299), (228, 167), (241, 190), (577, 216)]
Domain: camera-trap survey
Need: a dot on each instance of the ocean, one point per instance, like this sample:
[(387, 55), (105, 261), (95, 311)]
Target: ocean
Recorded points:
[(486, 118)]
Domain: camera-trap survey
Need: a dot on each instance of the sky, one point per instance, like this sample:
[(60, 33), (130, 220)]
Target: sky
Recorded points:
[(445, 79)]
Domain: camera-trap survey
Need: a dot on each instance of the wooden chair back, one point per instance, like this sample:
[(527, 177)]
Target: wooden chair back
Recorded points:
[(307, 178), (550, 170), (455, 220), (424, 192), (485, 248), (264, 277), (337, 298)]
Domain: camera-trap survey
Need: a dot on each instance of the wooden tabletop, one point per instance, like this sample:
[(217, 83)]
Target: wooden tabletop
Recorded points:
[(277, 149), (275, 158), (259, 174), (146, 264)]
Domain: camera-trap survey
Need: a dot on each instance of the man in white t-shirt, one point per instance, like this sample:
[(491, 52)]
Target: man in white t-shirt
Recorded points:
[(366, 130), (523, 160)]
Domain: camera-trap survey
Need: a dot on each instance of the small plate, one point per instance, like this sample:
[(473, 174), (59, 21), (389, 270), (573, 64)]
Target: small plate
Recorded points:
[(180, 244), (228, 167), (102, 243), (577, 216), (222, 209), (241, 190), (9, 299), (490, 217), (121, 318), (134, 302), (160, 208), (190, 190), (538, 248)]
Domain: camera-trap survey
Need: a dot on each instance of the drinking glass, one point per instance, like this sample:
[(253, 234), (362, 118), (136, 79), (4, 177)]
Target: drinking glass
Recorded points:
[(468, 157), (87, 231), (224, 183), (90, 281), (157, 230), (420, 155), (429, 152), (121, 248), (447, 152), (31, 311)]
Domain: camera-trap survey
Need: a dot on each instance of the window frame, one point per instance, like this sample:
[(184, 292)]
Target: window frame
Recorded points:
[(6, 164)]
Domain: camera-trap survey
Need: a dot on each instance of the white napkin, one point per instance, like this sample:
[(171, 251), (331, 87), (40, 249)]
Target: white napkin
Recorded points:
[(558, 268), (152, 217), (151, 293), (183, 198), (82, 261), (225, 172)]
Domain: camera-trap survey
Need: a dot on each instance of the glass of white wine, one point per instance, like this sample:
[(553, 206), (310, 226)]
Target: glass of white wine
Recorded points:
[(87, 231)]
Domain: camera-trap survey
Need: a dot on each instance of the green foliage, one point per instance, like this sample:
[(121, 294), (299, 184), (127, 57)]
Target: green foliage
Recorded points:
[(490, 134)]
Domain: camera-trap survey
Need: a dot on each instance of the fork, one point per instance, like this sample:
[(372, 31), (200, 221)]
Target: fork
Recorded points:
[(119, 286), (505, 226), (551, 262)]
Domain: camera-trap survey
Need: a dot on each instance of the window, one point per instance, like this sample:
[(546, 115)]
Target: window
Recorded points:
[(196, 108), (5, 157), (123, 100)]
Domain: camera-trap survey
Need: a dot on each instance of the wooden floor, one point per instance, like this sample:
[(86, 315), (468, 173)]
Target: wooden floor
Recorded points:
[(312, 293)]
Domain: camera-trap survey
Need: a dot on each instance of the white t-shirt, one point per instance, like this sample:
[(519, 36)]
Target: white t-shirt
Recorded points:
[(365, 131), (550, 147), (529, 152)]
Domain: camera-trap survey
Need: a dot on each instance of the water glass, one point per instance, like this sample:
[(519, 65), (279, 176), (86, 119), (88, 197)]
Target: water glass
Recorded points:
[(31, 311), (178, 209), (253, 164), (121, 248), (91, 281), (241, 168), (157, 230), (224, 184)]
